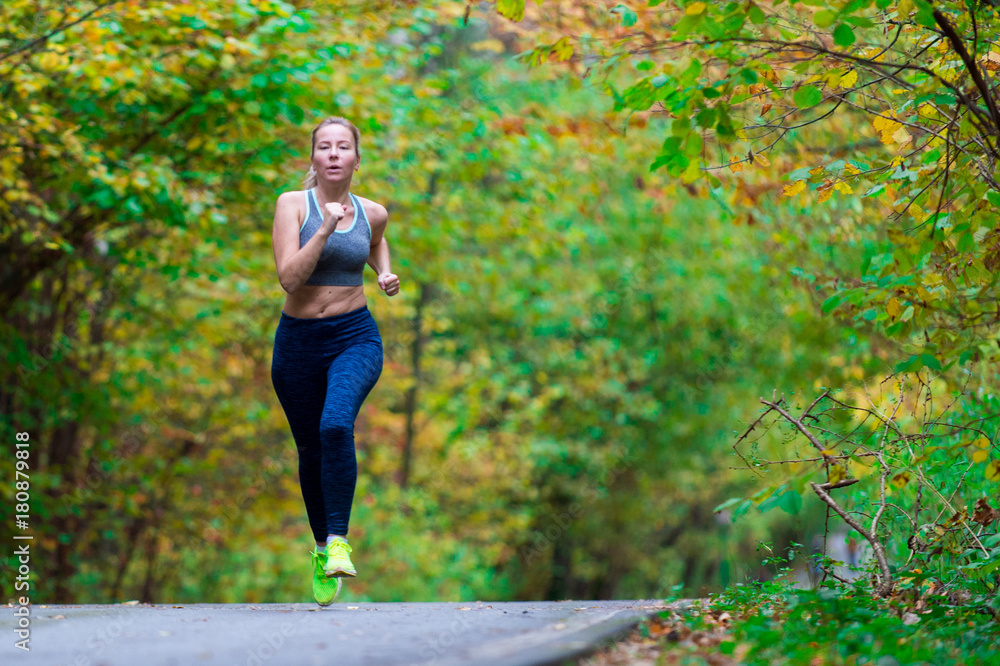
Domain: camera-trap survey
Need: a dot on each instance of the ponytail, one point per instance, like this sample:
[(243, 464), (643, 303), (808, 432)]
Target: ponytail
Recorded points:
[(310, 179)]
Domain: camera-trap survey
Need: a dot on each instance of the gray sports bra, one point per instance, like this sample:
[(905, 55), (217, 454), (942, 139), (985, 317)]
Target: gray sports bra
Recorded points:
[(342, 261)]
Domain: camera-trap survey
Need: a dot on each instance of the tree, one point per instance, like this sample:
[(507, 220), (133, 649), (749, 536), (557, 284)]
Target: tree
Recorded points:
[(889, 106)]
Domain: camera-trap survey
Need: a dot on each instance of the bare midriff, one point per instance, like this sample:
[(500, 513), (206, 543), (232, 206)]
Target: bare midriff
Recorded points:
[(312, 301)]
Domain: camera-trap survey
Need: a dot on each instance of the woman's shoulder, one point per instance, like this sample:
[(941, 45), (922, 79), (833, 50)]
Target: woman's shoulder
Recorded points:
[(376, 212), (292, 196), (293, 200)]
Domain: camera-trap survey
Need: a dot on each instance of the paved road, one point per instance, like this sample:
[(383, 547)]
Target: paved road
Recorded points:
[(380, 634)]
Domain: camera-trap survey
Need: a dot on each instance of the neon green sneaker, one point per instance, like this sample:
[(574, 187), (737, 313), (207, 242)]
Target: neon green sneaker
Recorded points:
[(338, 562), (325, 590)]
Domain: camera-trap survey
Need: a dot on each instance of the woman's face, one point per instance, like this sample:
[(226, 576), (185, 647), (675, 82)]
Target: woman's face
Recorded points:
[(333, 156)]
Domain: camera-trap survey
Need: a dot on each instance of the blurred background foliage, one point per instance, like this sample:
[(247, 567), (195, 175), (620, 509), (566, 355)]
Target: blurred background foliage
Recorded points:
[(575, 343)]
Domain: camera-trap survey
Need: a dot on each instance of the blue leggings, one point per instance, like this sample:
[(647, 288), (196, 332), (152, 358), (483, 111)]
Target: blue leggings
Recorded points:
[(322, 370)]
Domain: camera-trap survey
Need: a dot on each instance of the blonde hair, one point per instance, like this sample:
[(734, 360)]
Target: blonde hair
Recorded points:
[(310, 180)]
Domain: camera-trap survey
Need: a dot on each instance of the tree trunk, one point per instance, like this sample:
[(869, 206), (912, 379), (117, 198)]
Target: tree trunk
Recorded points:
[(416, 349)]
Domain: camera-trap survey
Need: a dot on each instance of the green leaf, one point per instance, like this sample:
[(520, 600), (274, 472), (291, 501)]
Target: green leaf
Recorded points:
[(825, 18), (629, 17), (925, 14), (693, 144), (512, 9), (930, 361), (843, 35), (732, 501), (807, 96), (791, 502), (860, 21), (918, 361)]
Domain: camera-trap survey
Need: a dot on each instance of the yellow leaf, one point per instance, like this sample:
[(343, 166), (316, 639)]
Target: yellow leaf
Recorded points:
[(695, 8), (512, 9), (735, 165), (760, 160), (858, 469), (982, 443), (893, 307), (901, 136), (886, 127), (825, 193), (980, 456), (692, 173), (900, 479), (993, 471), (496, 46), (851, 169), (933, 279), (843, 187), (794, 188), (562, 49), (848, 80)]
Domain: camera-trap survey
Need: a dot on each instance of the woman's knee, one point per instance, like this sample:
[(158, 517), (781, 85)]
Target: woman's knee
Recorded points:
[(336, 430)]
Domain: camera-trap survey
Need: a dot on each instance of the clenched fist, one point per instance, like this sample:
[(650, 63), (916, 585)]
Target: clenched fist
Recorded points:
[(333, 213), (389, 283)]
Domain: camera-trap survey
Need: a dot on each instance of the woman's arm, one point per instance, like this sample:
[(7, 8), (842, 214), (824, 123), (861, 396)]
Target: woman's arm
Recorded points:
[(378, 254), (295, 264)]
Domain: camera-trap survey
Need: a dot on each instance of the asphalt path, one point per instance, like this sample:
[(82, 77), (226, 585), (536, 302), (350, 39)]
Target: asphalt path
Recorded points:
[(382, 634)]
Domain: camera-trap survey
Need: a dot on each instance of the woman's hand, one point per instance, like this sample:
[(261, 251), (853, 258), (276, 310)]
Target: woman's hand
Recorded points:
[(333, 213), (389, 283)]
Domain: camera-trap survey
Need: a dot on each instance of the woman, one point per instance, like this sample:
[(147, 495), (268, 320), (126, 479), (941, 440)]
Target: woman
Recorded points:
[(327, 347)]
